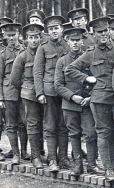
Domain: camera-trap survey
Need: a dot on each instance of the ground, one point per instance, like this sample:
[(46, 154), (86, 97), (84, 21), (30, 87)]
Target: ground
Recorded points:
[(14, 181)]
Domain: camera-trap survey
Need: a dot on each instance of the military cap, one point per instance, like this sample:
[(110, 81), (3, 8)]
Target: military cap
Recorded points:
[(100, 24), (75, 33), (54, 20), (110, 15), (11, 28), (67, 25), (5, 20), (111, 23), (35, 13), (32, 29), (77, 13)]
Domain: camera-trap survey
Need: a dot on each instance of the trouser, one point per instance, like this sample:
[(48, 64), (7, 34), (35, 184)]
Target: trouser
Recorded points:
[(78, 122), (55, 129), (34, 121), (104, 123), (15, 121)]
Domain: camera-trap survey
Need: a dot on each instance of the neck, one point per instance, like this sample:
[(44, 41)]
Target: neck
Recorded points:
[(53, 40), (32, 49)]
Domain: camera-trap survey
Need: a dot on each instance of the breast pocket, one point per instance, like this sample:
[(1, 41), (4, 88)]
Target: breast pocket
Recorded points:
[(98, 68), (51, 61), (8, 65), (29, 69)]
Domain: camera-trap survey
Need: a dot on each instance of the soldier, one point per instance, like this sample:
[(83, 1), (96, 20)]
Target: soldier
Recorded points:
[(44, 69), (23, 67), (75, 105), (37, 16), (101, 62), (79, 20), (4, 20), (10, 95)]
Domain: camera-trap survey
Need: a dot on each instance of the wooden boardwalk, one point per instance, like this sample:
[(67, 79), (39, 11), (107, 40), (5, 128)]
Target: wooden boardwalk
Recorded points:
[(66, 176)]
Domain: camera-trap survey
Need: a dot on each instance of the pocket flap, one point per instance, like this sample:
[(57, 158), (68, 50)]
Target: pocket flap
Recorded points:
[(51, 56), (9, 61), (98, 62)]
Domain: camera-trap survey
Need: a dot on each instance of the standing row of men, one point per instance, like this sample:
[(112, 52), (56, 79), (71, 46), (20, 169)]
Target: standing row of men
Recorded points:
[(72, 80)]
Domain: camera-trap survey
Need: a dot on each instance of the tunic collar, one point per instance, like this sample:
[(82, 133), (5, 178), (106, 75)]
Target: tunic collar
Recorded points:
[(31, 51), (74, 55), (60, 42)]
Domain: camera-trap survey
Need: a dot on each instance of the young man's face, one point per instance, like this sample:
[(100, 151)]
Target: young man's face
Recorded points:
[(80, 22), (75, 44), (33, 41), (55, 31), (112, 33), (35, 20), (102, 37)]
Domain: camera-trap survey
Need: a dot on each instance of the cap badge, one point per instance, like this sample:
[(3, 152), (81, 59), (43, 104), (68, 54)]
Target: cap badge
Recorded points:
[(77, 13), (31, 28), (36, 13)]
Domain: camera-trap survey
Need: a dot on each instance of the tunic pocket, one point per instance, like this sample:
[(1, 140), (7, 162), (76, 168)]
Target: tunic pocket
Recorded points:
[(98, 68), (51, 61)]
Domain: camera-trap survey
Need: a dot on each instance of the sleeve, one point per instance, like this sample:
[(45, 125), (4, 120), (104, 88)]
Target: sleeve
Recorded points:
[(38, 71), (59, 82), (75, 70), (17, 71), (2, 70)]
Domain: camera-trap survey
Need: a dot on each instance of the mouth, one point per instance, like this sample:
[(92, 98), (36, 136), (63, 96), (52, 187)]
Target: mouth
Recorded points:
[(54, 34), (75, 46), (79, 25)]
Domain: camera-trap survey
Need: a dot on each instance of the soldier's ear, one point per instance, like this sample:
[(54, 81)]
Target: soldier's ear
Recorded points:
[(66, 37), (86, 21), (61, 27)]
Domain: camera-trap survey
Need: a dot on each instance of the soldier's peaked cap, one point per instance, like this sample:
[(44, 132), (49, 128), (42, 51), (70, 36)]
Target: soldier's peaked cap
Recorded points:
[(54, 20), (67, 25), (110, 15), (75, 33), (32, 29), (35, 13), (11, 28), (111, 23), (5, 20), (100, 24), (77, 13)]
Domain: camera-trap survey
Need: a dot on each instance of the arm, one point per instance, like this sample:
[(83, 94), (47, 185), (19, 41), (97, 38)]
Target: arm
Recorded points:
[(75, 70), (59, 82), (17, 71), (2, 70), (38, 71)]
